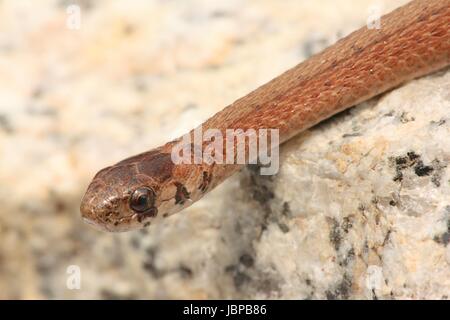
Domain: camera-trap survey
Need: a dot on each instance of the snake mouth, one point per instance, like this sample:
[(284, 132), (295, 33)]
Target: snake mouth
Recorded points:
[(99, 227)]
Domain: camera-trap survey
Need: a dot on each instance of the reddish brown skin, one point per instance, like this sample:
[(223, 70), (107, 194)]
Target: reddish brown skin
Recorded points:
[(414, 40)]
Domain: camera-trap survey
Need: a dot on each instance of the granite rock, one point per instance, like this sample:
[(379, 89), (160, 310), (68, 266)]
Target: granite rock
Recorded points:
[(359, 208)]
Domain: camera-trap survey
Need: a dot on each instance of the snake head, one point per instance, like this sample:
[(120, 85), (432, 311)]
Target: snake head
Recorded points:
[(116, 201), (134, 192)]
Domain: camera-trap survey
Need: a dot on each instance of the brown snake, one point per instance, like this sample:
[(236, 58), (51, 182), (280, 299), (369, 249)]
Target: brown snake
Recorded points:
[(413, 40)]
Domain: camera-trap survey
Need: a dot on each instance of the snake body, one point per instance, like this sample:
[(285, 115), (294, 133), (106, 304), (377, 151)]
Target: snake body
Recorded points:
[(413, 40)]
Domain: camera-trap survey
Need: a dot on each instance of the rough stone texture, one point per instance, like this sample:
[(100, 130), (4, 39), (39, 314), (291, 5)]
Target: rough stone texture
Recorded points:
[(359, 208)]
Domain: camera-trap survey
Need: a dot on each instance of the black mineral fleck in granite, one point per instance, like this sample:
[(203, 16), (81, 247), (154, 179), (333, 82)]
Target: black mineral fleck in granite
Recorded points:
[(185, 272), (413, 156), (283, 227), (444, 238), (149, 263), (439, 123), (335, 234), (405, 118), (342, 290), (349, 257), (413, 160), (423, 170), (240, 278), (246, 260)]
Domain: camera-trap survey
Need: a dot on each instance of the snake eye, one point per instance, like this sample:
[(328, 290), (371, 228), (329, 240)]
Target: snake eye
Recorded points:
[(142, 200)]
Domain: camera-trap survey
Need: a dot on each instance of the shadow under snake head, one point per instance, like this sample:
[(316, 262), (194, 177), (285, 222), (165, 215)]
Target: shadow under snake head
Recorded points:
[(137, 190)]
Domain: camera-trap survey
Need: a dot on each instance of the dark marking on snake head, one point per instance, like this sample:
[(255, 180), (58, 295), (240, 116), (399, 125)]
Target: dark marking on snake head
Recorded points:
[(206, 180), (182, 194), (158, 166), (148, 214)]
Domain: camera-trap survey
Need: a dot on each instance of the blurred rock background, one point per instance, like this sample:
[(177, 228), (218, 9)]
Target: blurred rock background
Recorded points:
[(137, 73)]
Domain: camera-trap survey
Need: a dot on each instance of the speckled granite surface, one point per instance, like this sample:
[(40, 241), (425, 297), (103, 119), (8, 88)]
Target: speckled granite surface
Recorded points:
[(359, 209)]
